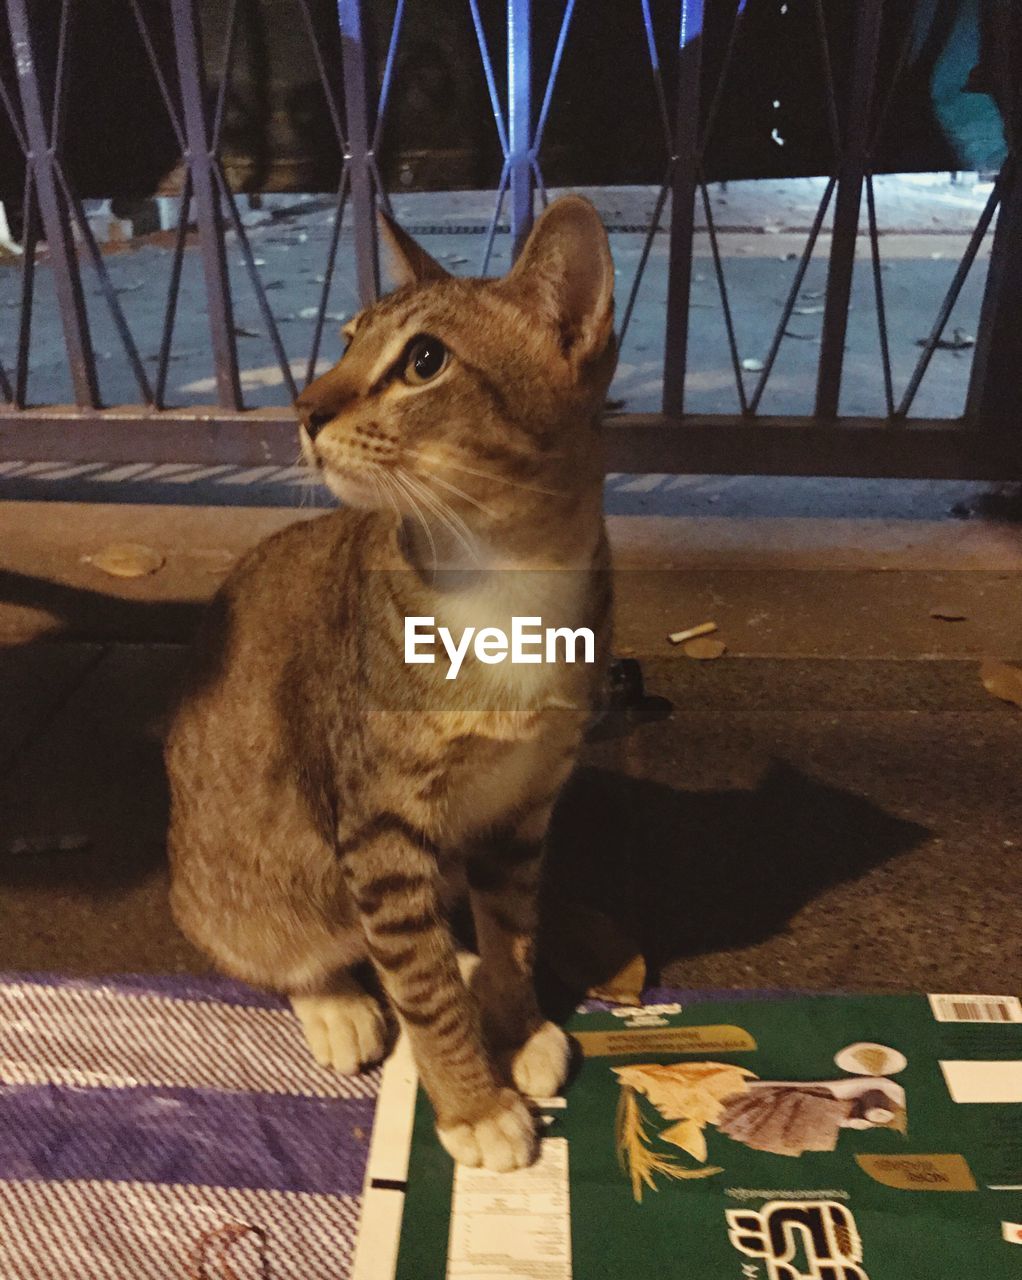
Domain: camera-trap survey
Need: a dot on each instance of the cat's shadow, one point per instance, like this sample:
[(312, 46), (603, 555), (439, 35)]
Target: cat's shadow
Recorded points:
[(684, 873)]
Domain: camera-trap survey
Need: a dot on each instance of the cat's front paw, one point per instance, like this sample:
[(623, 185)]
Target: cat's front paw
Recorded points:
[(504, 1139), (345, 1029), (540, 1066)]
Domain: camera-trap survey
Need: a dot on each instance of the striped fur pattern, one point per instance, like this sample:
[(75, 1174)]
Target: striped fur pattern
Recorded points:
[(330, 801)]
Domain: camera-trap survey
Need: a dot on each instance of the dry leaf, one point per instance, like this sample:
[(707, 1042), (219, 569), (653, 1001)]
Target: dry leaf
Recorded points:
[(126, 560), (947, 613), (1002, 680), (689, 1136), (751, 365), (215, 561), (703, 649)]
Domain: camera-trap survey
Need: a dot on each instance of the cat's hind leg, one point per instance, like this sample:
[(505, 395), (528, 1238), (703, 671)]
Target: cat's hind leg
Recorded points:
[(344, 1026)]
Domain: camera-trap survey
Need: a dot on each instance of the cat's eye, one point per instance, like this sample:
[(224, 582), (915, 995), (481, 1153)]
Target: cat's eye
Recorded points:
[(426, 357)]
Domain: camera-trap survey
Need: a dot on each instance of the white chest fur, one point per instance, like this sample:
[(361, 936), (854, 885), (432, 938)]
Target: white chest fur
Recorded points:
[(544, 600)]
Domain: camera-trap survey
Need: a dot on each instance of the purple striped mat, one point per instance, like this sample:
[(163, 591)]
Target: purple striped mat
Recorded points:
[(174, 1129)]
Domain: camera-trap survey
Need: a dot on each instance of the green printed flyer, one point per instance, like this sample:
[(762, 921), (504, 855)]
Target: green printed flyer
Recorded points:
[(811, 1138)]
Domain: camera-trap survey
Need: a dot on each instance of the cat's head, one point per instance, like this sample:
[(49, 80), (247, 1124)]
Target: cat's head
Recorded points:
[(473, 396)]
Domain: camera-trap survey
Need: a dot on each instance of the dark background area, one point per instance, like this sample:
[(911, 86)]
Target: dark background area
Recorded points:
[(604, 126)]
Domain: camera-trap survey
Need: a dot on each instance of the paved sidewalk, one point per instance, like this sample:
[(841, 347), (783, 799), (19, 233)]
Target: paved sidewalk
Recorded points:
[(804, 823), (835, 803)]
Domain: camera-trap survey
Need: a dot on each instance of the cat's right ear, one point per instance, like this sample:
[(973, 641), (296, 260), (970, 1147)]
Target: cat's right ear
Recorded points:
[(565, 275), (408, 262)]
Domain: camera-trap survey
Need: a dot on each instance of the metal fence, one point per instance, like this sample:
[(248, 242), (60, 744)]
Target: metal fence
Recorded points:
[(856, 97)]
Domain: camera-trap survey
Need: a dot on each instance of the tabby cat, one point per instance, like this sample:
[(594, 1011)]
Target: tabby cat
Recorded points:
[(330, 800)]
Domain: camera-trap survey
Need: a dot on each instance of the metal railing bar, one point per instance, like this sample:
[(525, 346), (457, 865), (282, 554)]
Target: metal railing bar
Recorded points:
[(328, 275), (789, 302), (658, 79), (647, 245), (491, 229), (519, 94), (491, 84), (878, 290), (208, 212), (60, 77), (388, 76), (381, 191), (30, 238), (993, 383), (173, 108), (555, 67), (718, 268), (537, 174), (328, 85), (356, 98), (60, 241), (718, 88), (223, 88), (885, 106), (951, 297), (272, 332), (106, 285), (833, 123), (684, 178), (7, 102), (173, 286), (6, 389), (845, 231)]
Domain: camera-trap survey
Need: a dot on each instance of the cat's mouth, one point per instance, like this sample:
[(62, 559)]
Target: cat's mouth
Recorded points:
[(352, 486)]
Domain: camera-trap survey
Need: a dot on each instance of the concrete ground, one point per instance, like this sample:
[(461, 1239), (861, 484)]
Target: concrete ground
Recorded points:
[(835, 803)]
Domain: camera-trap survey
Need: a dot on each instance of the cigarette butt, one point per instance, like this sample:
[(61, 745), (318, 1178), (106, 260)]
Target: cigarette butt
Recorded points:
[(704, 629)]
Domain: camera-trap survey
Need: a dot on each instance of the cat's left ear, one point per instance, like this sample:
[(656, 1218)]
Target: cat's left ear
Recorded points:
[(409, 263), (566, 273)]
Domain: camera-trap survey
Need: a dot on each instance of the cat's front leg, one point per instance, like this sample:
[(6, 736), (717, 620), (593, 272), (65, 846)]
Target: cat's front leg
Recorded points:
[(504, 876), (391, 870)]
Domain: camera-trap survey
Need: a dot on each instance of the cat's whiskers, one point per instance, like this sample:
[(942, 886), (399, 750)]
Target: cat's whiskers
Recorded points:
[(449, 518), (308, 484), (446, 484), (398, 480), (488, 475), (444, 511)]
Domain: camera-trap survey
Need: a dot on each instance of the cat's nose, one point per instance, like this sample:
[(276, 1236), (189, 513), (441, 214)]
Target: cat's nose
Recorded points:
[(314, 420)]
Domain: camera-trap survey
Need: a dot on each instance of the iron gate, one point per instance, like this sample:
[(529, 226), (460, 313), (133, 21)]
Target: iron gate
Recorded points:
[(985, 443)]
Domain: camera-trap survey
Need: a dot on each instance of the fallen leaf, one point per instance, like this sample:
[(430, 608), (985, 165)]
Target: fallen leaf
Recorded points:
[(751, 365), (959, 341), (704, 649), (241, 332), (947, 613), (814, 310), (215, 561), (126, 560), (1002, 680)]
